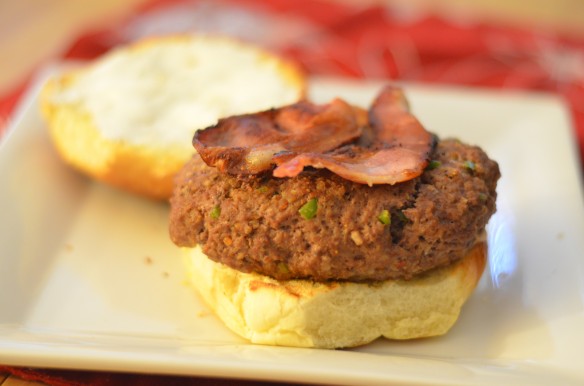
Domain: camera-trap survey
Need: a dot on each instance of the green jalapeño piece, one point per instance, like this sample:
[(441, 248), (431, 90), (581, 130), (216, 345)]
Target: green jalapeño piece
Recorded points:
[(308, 210), (215, 212), (384, 217)]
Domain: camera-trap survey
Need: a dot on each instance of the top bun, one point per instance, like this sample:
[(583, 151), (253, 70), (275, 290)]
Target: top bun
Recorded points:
[(128, 118)]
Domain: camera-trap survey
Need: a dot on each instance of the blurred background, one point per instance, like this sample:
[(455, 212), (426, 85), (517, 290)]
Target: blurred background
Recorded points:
[(505, 44), (34, 30)]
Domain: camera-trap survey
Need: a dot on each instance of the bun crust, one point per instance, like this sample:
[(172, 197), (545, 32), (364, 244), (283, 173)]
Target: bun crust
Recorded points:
[(303, 313), (128, 118)]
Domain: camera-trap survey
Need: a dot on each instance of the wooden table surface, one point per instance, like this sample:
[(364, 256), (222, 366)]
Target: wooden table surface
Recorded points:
[(31, 31)]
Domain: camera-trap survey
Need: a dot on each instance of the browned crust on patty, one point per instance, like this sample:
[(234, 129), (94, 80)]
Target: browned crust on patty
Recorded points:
[(253, 224)]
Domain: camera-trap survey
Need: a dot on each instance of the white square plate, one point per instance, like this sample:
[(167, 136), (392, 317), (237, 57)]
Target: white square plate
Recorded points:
[(90, 280)]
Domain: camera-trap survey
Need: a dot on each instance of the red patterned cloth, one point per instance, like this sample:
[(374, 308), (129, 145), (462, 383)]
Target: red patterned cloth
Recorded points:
[(328, 38), (97, 378)]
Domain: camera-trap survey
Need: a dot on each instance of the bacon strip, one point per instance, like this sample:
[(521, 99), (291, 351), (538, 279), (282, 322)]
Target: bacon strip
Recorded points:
[(384, 166), (399, 148), (246, 144), (385, 145)]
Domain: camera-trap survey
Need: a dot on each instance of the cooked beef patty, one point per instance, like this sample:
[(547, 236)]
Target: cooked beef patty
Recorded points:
[(321, 227)]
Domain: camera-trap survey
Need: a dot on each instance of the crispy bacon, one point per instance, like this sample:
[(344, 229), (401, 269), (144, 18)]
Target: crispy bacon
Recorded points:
[(387, 145), (365, 166), (246, 144), (397, 151)]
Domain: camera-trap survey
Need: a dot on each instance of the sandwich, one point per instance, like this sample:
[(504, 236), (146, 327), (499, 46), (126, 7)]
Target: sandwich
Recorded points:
[(331, 225)]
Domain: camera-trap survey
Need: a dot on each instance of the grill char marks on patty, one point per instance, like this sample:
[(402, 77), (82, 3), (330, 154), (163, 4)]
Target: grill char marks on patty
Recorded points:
[(357, 233)]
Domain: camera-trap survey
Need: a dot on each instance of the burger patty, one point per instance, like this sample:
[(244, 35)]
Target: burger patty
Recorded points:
[(321, 227)]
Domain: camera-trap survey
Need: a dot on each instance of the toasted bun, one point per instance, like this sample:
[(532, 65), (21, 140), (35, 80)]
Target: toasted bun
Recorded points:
[(128, 119), (334, 315)]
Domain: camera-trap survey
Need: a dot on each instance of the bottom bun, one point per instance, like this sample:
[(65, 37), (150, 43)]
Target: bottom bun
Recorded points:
[(303, 313)]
